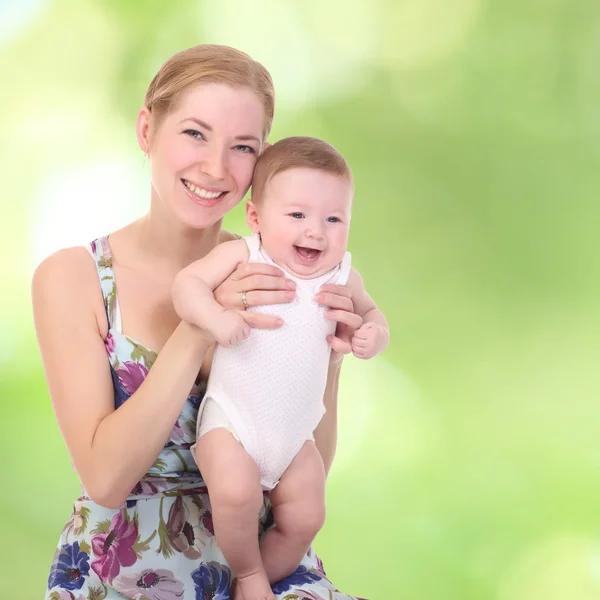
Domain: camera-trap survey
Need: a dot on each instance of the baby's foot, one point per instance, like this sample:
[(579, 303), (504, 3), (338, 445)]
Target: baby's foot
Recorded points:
[(252, 587)]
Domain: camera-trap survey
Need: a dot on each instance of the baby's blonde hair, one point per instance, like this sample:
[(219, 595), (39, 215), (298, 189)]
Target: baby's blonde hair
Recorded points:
[(208, 63), (298, 152)]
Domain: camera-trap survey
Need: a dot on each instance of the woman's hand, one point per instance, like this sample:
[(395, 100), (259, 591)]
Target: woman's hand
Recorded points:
[(257, 284), (338, 300)]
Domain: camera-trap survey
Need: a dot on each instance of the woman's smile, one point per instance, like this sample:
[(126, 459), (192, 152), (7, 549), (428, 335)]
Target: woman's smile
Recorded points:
[(202, 196)]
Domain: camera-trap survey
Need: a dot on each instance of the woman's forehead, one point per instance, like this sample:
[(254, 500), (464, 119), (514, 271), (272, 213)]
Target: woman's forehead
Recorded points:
[(222, 106)]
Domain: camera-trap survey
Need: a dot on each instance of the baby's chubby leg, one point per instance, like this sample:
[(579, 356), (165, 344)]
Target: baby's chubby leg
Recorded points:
[(233, 483), (299, 512)]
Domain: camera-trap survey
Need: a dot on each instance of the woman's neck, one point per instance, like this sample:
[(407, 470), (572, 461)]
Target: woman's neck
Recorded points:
[(169, 242)]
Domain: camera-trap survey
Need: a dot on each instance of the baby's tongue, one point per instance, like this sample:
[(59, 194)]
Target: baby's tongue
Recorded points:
[(307, 253)]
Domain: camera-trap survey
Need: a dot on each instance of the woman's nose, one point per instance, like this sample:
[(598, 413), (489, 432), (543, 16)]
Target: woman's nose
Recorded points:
[(214, 164)]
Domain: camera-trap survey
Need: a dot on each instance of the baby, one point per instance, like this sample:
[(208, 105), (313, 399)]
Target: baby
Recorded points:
[(265, 392)]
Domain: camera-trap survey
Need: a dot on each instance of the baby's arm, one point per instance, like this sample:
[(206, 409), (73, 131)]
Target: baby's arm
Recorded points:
[(373, 335), (193, 297)]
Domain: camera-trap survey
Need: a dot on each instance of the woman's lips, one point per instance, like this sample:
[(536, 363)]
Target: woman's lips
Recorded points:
[(202, 196)]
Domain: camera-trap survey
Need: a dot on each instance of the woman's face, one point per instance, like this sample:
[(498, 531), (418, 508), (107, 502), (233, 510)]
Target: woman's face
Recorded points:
[(203, 152)]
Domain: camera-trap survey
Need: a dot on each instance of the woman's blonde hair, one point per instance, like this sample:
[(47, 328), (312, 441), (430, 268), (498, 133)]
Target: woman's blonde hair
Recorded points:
[(298, 152), (208, 63)]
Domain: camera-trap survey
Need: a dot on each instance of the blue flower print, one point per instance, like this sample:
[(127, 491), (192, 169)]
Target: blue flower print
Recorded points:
[(121, 394), (69, 568), (300, 576), (212, 581)]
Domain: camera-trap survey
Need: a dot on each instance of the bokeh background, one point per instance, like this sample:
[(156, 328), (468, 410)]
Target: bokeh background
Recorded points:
[(469, 453)]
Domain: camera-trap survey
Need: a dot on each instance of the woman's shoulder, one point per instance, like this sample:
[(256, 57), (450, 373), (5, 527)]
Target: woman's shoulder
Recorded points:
[(69, 273), (68, 263), (65, 288), (228, 236)]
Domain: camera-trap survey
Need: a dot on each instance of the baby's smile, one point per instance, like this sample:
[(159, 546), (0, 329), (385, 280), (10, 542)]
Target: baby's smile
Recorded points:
[(307, 256)]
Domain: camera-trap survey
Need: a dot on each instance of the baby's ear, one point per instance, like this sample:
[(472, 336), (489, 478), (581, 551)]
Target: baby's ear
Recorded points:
[(252, 216)]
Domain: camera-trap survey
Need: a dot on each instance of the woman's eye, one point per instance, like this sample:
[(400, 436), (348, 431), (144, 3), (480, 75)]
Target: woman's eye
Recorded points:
[(195, 134), (297, 215), (246, 149), (333, 219)]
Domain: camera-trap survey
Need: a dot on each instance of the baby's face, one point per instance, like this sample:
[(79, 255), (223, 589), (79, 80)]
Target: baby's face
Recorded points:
[(304, 220)]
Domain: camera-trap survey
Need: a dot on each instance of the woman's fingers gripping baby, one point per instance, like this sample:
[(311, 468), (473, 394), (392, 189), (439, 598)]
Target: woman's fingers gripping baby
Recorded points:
[(255, 284), (340, 308)]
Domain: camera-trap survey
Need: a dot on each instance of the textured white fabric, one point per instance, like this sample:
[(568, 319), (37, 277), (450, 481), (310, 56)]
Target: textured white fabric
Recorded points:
[(271, 385), (213, 417)]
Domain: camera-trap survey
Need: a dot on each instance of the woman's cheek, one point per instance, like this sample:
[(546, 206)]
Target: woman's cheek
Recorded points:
[(245, 168)]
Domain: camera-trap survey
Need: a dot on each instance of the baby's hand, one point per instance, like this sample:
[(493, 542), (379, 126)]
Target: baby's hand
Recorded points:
[(230, 328), (369, 340)]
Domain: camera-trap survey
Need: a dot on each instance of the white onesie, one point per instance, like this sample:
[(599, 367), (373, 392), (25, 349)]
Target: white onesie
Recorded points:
[(268, 390)]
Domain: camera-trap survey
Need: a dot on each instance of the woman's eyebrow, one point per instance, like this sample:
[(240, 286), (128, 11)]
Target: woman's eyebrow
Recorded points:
[(204, 125), (247, 138), (197, 121)]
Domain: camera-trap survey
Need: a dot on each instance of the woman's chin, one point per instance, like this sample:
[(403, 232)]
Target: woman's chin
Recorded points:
[(201, 218)]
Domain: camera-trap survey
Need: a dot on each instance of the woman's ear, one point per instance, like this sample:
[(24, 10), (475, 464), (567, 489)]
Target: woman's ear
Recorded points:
[(143, 129), (252, 216)]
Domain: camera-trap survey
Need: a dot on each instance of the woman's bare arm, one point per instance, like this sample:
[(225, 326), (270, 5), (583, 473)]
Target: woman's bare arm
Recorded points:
[(340, 307), (326, 431), (110, 449)]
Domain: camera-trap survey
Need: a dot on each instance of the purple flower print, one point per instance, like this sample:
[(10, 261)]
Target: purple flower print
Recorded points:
[(183, 434), (109, 344), (115, 548), (65, 596), (131, 375), (300, 576), (319, 568), (207, 521), (177, 434), (69, 568), (212, 581), (185, 529), (150, 584), (149, 486)]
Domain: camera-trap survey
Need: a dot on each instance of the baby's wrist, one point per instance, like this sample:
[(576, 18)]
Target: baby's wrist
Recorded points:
[(383, 338), (199, 334)]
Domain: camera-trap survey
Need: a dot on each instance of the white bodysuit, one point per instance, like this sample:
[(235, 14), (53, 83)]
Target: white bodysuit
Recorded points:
[(268, 389)]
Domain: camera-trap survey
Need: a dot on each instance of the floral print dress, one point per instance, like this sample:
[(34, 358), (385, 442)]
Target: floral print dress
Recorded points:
[(160, 544)]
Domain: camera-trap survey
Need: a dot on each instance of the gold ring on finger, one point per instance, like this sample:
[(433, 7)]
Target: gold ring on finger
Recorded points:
[(244, 300)]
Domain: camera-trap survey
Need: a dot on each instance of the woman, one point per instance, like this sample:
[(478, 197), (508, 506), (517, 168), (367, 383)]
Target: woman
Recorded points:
[(143, 528)]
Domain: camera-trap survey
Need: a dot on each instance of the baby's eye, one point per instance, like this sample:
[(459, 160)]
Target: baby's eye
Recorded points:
[(333, 219), (297, 215)]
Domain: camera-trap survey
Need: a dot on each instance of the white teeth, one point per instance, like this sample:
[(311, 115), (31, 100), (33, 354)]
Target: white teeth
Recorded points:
[(200, 192)]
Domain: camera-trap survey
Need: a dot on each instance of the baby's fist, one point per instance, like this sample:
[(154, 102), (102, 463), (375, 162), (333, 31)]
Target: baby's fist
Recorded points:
[(369, 340), (230, 328)]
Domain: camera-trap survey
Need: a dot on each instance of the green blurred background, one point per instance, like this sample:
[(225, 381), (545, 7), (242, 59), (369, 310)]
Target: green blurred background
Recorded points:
[(469, 452)]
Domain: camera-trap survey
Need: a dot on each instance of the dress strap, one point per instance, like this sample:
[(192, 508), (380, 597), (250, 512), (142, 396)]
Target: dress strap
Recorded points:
[(100, 252)]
